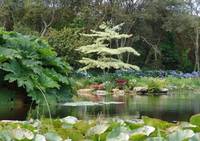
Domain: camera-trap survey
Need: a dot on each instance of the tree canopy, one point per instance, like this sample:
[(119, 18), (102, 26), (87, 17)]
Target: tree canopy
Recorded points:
[(165, 31)]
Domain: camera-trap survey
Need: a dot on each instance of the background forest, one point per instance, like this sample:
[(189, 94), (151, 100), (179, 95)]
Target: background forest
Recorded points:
[(165, 32)]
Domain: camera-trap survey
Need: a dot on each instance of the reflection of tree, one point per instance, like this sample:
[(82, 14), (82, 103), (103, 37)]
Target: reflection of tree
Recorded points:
[(12, 105), (178, 106)]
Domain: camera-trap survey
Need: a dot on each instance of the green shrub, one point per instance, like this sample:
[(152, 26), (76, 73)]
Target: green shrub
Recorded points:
[(155, 84), (32, 64), (65, 41)]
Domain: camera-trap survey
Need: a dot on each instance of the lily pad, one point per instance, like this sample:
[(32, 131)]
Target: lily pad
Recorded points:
[(119, 134), (138, 137), (97, 130), (187, 125), (21, 134), (195, 120), (156, 123), (69, 120), (146, 130), (196, 137), (156, 139), (52, 137), (39, 137), (180, 135), (5, 136)]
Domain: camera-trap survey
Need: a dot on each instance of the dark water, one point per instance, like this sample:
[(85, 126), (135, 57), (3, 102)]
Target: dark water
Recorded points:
[(179, 105), (12, 106)]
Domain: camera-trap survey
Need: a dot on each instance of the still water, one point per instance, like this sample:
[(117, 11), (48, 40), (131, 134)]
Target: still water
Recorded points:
[(179, 105)]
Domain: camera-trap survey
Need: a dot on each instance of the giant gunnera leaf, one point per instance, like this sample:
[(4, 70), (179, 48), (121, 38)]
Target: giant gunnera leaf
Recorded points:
[(31, 64)]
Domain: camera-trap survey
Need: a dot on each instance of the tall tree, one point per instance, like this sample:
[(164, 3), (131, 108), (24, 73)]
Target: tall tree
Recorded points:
[(103, 50)]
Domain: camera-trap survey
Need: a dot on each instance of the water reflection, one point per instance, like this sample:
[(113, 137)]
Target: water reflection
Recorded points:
[(179, 105), (12, 105)]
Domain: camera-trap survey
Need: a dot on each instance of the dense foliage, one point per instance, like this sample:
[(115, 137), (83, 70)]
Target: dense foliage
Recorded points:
[(150, 79), (166, 31), (72, 129), (145, 73), (30, 63), (65, 42)]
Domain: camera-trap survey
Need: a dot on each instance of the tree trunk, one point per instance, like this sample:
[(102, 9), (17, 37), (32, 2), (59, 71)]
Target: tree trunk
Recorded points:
[(44, 29), (197, 67), (9, 22)]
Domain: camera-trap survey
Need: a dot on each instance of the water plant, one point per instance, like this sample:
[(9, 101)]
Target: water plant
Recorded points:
[(156, 84), (101, 129)]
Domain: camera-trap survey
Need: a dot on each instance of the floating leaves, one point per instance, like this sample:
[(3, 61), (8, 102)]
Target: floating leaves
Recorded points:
[(40, 137), (119, 133), (98, 130), (181, 135), (146, 130), (69, 120), (52, 137)]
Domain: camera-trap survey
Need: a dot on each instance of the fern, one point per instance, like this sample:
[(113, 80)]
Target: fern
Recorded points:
[(105, 56), (34, 66)]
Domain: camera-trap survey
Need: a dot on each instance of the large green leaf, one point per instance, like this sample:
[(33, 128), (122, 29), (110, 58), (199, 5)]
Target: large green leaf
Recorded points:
[(8, 53), (195, 119), (119, 133), (196, 137), (180, 135), (97, 130), (156, 123), (53, 137), (34, 66)]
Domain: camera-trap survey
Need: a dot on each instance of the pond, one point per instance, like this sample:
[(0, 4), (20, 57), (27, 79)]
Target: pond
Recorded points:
[(177, 106)]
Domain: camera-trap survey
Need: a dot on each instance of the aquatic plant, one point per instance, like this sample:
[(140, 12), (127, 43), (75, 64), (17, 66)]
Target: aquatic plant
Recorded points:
[(72, 129), (155, 84), (30, 63)]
